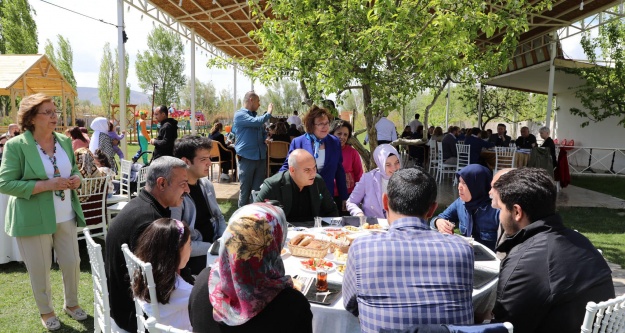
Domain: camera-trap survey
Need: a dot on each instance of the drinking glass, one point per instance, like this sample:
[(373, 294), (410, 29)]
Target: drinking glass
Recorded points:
[(317, 221), (322, 279), (363, 220)]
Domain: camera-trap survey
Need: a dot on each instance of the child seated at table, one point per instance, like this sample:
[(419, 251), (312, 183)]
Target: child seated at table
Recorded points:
[(166, 244)]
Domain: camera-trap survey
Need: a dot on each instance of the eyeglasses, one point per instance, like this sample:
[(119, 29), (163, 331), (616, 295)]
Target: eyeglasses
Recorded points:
[(321, 125), (50, 113)]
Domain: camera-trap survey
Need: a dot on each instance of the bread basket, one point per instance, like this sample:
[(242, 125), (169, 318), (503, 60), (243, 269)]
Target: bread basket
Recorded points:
[(319, 250)]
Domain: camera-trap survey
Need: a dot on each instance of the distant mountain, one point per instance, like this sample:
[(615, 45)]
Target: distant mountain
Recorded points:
[(91, 94)]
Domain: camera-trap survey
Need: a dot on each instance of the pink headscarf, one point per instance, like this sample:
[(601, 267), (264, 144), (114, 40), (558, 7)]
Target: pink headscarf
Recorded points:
[(249, 272)]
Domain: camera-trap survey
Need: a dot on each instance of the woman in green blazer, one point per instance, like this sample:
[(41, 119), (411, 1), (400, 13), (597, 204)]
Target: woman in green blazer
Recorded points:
[(39, 173)]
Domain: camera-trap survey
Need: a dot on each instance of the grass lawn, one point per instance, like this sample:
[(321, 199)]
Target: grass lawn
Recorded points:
[(612, 185)]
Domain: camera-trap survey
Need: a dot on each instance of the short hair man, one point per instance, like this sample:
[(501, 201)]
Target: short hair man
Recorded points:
[(501, 139), (415, 123), (386, 130), (410, 275), (250, 145), (199, 208), (165, 187), (167, 134), (294, 119), (450, 153), (301, 190), (476, 143), (526, 140), (551, 272), (14, 130)]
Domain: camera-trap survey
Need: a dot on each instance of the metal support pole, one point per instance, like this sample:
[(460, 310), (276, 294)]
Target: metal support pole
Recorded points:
[(479, 106), (193, 128), (234, 97), (122, 72), (552, 73)]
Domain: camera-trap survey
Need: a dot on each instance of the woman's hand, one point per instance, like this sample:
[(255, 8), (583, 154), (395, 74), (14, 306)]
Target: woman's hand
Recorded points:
[(74, 182), (445, 226), (58, 184)]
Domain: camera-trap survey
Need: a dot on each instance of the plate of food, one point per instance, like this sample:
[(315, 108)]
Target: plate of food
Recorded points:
[(351, 229), (340, 269), (311, 265), (339, 257), (285, 253), (372, 227)]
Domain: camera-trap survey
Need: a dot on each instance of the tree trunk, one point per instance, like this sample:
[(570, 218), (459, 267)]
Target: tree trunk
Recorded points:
[(305, 94), (370, 120), (426, 113)]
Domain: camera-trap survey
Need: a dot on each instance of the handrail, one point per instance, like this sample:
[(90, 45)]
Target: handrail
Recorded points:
[(590, 160)]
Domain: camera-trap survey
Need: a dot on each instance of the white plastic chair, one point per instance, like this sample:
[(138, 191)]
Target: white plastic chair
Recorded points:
[(443, 168), (504, 158), (464, 153), (155, 327), (608, 316), (124, 184), (133, 264), (92, 196), (433, 158), (142, 176), (101, 308)]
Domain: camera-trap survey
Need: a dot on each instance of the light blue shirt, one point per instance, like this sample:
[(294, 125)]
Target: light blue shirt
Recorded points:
[(250, 133)]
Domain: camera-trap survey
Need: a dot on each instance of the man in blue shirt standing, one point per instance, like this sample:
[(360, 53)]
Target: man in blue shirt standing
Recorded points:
[(250, 145), (410, 275)]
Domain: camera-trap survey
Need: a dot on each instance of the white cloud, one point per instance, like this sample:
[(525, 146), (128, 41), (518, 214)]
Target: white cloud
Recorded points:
[(87, 38)]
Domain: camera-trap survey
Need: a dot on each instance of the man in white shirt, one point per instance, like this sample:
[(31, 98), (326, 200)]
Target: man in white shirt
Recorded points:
[(294, 119), (414, 124), (386, 131), (14, 130)]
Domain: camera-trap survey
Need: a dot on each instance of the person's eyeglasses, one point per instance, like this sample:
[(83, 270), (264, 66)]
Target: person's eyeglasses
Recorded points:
[(50, 113), (321, 125)]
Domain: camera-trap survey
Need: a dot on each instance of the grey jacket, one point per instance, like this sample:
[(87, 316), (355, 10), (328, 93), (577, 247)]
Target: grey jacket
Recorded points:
[(186, 212)]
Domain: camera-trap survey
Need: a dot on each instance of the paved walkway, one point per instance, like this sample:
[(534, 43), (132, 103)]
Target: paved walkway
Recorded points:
[(571, 196)]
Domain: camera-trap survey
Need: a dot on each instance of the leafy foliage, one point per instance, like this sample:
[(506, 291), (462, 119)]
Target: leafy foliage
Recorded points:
[(602, 94), (63, 58), (18, 29), (205, 96), (389, 49), (284, 95), (502, 104), (163, 64), (108, 79)]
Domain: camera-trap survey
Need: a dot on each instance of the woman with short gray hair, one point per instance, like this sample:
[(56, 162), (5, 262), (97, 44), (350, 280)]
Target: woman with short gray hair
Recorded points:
[(548, 143)]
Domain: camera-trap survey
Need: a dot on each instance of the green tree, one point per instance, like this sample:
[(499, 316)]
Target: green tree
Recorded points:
[(116, 78), (18, 30), (501, 104), (63, 59), (388, 49), (602, 93), (106, 79), (284, 95), (205, 96), (163, 64)]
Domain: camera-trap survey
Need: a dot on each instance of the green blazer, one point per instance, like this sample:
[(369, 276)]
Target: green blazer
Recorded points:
[(278, 187), (31, 214)]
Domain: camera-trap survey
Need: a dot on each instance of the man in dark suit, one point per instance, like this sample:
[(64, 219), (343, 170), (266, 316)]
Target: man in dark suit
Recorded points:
[(526, 140), (501, 139), (300, 190)]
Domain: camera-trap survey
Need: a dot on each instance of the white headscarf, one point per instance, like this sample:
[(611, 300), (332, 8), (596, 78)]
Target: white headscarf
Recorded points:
[(98, 125)]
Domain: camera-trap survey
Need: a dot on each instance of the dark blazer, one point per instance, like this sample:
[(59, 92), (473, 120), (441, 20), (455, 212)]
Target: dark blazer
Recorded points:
[(279, 187), (333, 167)]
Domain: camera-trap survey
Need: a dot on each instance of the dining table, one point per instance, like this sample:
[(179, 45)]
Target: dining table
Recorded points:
[(521, 158), (334, 317)]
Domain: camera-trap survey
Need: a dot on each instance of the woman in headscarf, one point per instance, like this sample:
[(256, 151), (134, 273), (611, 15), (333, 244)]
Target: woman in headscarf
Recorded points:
[(85, 161), (366, 199), (246, 287), (478, 219), (101, 140)]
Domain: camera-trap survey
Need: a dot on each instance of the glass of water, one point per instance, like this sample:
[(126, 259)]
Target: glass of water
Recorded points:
[(317, 221)]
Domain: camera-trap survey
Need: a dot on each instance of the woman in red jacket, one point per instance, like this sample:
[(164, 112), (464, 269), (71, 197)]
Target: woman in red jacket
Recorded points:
[(351, 159)]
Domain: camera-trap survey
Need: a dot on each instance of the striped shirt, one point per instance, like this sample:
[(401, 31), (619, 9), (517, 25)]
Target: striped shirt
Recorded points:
[(410, 275)]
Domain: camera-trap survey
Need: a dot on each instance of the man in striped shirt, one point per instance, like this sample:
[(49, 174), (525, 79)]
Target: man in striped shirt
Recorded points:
[(410, 275)]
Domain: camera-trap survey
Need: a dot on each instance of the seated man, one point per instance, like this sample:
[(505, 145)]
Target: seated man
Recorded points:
[(301, 191), (477, 143), (410, 275), (199, 208), (450, 154), (551, 272), (165, 187), (501, 139), (526, 140)]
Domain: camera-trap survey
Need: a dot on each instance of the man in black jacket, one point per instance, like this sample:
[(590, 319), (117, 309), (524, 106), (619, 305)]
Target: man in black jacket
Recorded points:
[(501, 139), (551, 272), (301, 191), (167, 134), (165, 187)]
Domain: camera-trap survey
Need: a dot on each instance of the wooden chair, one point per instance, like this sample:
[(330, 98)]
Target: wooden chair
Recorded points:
[(608, 316), (504, 158), (134, 264), (464, 153), (443, 168), (101, 308), (215, 156), (278, 150), (155, 327), (92, 197)]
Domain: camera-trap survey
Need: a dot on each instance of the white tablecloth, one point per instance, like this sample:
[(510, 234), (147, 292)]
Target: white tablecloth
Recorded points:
[(335, 318), (8, 244)]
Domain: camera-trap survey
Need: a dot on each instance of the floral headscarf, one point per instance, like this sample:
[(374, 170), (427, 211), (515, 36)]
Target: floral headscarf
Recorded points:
[(249, 272), (86, 165)]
